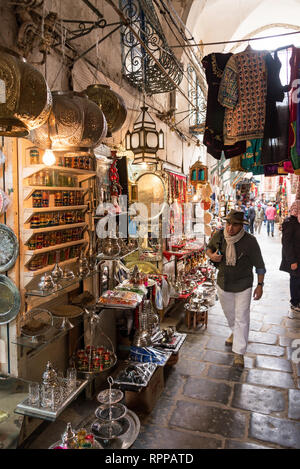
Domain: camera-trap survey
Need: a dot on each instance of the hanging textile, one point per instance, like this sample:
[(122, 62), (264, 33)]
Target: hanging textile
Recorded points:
[(214, 65), (251, 159), (243, 91), (276, 138)]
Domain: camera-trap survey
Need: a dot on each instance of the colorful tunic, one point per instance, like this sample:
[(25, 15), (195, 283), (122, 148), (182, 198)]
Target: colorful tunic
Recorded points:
[(214, 65), (251, 159), (243, 92)]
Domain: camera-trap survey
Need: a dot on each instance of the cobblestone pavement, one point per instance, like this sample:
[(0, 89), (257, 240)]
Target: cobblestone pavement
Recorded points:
[(209, 404)]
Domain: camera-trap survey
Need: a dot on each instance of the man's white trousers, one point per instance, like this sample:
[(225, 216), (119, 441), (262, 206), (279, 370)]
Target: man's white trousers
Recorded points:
[(236, 307)]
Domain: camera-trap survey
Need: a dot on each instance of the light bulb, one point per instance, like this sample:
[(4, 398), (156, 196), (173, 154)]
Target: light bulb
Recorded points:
[(49, 158), (195, 198)]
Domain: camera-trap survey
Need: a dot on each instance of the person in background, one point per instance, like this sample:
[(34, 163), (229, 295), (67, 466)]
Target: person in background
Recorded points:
[(264, 207), (235, 252), (251, 217), (259, 218), (270, 214), (241, 206), (291, 253), (246, 213)]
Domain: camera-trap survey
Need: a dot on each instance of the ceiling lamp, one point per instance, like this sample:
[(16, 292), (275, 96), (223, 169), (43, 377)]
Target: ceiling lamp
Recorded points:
[(25, 99), (75, 124), (144, 141), (111, 104)]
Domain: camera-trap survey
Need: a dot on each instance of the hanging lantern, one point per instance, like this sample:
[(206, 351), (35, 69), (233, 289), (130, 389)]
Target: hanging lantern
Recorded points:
[(75, 124), (198, 174), (144, 141), (111, 104), (25, 99)]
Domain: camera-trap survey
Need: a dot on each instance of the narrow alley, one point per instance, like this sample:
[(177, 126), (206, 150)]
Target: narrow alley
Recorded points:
[(209, 404)]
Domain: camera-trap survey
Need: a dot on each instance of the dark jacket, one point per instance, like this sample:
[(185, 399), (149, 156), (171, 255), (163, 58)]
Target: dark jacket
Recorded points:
[(290, 245), (239, 277), (251, 213)]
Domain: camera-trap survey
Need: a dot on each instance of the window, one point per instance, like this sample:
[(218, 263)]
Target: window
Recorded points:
[(196, 95)]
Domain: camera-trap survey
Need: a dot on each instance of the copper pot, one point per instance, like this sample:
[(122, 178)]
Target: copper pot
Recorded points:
[(75, 124), (25, 99), (111, 104)]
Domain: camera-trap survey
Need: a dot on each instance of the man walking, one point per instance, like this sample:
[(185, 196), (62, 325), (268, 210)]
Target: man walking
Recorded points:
[(259, 218), (270, 214), (235, 253), (251, 217)]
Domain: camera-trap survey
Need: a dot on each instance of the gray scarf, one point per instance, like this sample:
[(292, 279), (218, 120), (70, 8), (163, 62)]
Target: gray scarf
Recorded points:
[(230, 249)]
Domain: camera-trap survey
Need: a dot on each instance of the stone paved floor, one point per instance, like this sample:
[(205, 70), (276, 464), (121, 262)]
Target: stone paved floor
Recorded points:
[(209, 404)]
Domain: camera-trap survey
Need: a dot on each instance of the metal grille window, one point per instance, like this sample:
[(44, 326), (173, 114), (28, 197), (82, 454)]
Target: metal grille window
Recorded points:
[(138, 66), (196, 95)]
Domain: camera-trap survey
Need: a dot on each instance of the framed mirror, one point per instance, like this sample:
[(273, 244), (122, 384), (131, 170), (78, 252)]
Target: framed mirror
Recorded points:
[(151, 189)]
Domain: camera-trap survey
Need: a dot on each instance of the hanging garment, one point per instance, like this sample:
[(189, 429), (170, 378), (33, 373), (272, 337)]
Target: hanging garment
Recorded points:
[(214, 65), (294, 144), (271, 169), (243, 91), (276, 136), (251, 159)]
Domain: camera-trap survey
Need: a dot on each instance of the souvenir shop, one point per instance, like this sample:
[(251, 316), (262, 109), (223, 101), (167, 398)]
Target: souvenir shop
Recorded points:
[(97, 249)]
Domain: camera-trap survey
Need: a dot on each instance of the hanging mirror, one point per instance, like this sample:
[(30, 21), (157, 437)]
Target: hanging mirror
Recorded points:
[(151, 190)]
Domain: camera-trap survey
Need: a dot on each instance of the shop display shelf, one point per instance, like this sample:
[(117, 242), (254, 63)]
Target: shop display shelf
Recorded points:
[(35, 273), (33, 290), (30, 253), (30, 170), (24, 408), (28, 232), (29, 212), (29, 190)]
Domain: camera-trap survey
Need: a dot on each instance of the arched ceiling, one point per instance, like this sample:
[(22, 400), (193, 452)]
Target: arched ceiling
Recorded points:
[(225, 20)]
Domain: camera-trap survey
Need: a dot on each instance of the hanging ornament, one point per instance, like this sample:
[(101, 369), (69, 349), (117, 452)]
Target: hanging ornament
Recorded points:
[(25, 102)]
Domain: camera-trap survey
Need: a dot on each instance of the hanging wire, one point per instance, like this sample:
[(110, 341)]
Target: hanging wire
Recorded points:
[(237, 40)]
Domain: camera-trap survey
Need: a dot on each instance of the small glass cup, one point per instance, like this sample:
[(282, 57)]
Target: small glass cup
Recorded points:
[(71, 378), (48, 397), (34, 394)]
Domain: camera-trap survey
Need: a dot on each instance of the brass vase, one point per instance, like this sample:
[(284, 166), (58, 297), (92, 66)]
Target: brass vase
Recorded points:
[(25, 99)]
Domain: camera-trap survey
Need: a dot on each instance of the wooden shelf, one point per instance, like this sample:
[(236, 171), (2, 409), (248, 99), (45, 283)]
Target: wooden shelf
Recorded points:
[(30, 253), (35, 273), (30, 232), (35, 168), (29, 212), (29, 190)]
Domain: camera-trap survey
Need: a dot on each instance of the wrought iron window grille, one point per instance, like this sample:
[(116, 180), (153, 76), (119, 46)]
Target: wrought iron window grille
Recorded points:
[(138, 67), (196, 95)]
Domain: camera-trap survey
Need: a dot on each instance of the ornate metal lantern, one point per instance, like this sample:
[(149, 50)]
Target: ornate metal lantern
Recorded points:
[(198, 174), (111, 104), (25, 99), (76, 124), (144, 140)]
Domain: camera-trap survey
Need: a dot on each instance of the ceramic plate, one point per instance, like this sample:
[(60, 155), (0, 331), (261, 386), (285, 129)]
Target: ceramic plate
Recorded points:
[(9, 248), (10, 300)]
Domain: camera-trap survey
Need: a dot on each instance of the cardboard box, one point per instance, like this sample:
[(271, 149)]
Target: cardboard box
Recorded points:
[(145, 400)]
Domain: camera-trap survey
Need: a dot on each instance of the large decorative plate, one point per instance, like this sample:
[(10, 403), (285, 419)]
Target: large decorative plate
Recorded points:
[(10, 300), (9, 248)]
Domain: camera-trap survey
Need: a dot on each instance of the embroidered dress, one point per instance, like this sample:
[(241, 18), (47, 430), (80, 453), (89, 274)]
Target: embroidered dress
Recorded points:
[(243, 91), (214, 65), (251, 159)]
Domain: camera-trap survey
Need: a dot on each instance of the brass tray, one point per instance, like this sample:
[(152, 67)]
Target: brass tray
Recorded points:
[(10, 300), (9, 248)]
